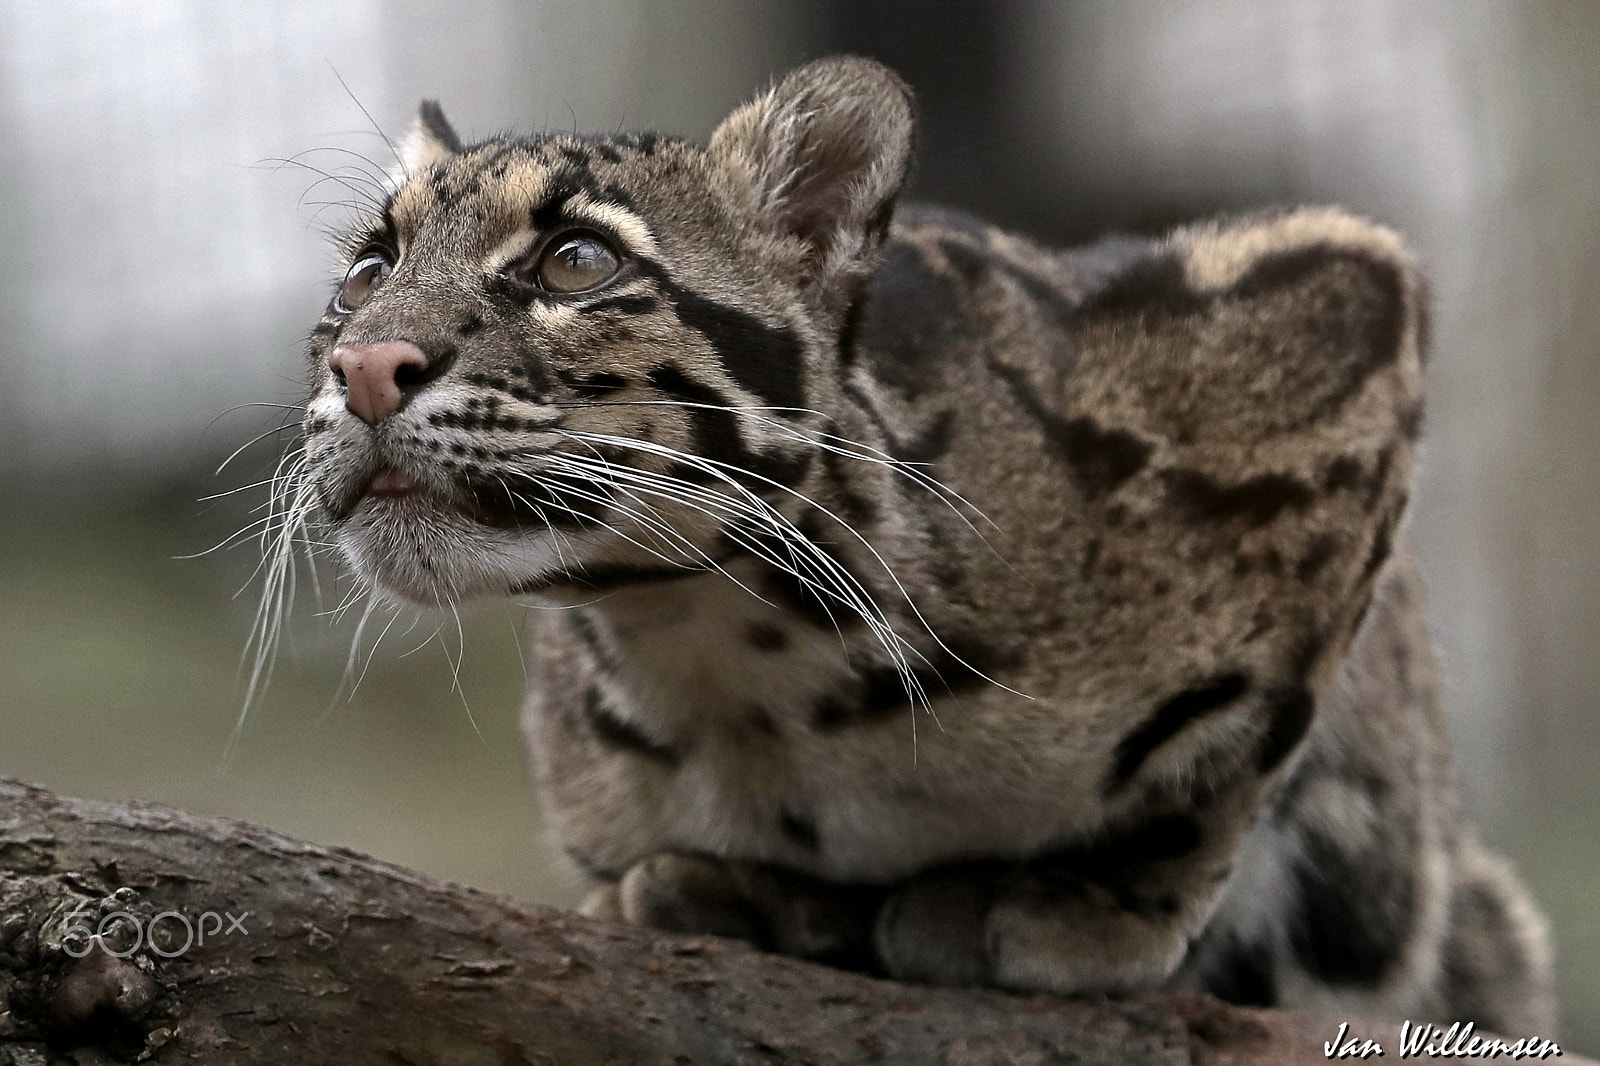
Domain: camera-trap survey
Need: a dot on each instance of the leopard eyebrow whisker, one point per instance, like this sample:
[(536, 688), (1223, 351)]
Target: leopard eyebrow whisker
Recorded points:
[(840, 445)]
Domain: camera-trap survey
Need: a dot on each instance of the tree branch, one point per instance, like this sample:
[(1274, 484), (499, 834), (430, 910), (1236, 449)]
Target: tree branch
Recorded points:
[(321, 955)]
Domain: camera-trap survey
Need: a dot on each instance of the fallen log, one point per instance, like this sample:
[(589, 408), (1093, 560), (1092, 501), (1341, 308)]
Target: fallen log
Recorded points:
[(141, 934)]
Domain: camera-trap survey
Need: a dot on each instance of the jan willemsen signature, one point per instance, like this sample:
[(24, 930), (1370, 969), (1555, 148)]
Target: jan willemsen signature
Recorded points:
[(1422, 1040)]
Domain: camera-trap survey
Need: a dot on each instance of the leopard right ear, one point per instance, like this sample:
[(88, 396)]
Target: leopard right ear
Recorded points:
[(431, 139), (823, 155)]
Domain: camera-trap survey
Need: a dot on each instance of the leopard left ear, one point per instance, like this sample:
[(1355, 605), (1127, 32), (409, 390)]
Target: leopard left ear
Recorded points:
[(431, 139), (825, 152)]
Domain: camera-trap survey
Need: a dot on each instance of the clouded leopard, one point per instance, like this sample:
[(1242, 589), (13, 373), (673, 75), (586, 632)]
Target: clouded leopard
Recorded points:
[(933, 602)]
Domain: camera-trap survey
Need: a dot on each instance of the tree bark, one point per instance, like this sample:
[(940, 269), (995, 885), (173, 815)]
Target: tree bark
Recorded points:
[(321, 955)]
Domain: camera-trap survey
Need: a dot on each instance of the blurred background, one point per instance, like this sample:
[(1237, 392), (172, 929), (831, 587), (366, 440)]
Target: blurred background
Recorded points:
[(162, 253)]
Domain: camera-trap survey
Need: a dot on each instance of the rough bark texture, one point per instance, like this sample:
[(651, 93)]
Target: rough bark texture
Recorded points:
[(348, 960)]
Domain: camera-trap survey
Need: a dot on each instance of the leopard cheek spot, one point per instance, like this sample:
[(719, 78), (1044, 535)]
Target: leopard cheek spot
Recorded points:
[(800, 831), (764, 636)]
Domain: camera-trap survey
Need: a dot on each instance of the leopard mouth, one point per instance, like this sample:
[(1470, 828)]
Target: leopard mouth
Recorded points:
[(393, 493), (392, 483)]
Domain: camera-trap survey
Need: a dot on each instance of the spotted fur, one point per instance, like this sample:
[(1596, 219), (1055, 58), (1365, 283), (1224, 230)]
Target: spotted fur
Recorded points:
[(936, 602)]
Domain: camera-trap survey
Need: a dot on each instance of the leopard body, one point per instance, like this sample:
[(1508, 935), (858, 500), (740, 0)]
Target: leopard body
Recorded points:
[(928, 600)]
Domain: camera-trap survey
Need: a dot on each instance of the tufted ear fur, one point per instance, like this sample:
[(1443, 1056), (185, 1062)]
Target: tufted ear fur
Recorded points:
[(825, 152), (431, 139)]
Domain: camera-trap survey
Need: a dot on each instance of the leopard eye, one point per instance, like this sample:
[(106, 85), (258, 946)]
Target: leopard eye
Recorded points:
[(361, 282), (577, 263)]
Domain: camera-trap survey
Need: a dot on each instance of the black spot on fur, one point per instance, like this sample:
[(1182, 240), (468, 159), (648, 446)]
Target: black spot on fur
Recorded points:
[(1168, 720), (1098, 459), (617, 732), (760, 721), (800, 830), (1319, 552), (1289, 717), (1411, 421), (1156, 285), (879, 692), (764, 636), (805, 601), (1378, 304), (909, 320), (1255, 500), (583, 625), (857, 510), (1343, 473), (1091, 555), (469, 325), (977, 266), (1352, 915), (1243, 973)]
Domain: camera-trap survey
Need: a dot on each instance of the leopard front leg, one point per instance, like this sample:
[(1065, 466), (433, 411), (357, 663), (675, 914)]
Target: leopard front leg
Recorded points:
[(774, 908), (1116, 913)]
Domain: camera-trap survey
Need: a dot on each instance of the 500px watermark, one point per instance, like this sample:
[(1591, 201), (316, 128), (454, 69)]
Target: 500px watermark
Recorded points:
[(121, 933)]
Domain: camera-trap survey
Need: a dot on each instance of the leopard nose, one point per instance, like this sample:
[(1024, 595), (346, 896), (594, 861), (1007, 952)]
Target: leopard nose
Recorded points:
[(374, 376)]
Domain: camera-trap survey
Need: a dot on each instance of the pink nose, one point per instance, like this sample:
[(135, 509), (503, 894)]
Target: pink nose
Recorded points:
[(371, 374)]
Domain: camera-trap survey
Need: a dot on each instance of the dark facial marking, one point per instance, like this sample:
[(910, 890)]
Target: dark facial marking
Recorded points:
[(763, 360), (627, 305), (561, 500), (596, 386), (1354, 290), (1168, 720), (716, 434), (617, 732), (1343, 473), (582, 624)]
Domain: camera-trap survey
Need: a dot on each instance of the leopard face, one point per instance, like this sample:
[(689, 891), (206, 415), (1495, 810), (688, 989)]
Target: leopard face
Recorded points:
[(565, 357)]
